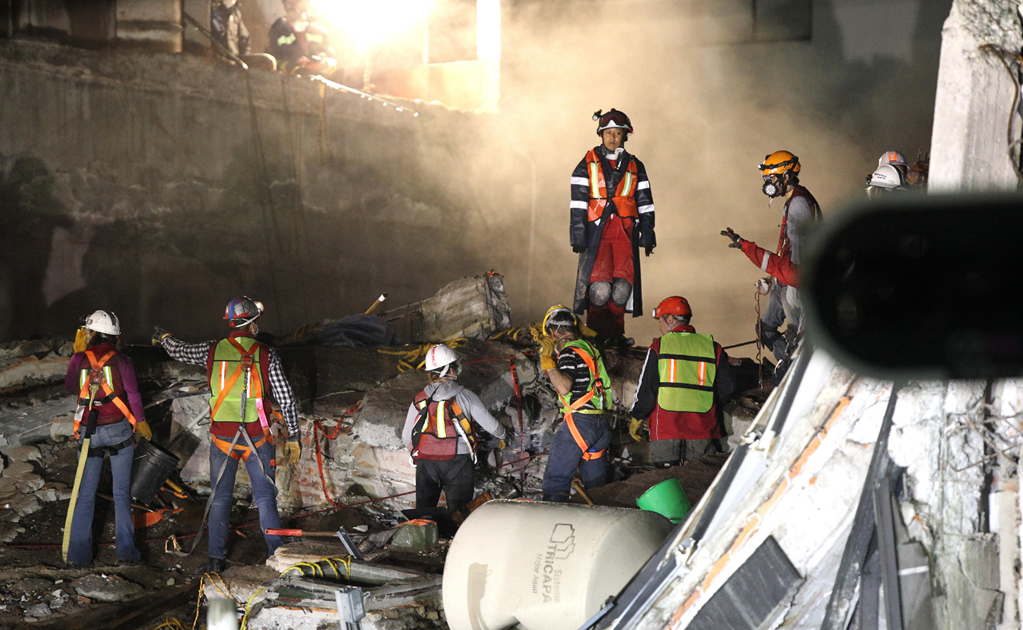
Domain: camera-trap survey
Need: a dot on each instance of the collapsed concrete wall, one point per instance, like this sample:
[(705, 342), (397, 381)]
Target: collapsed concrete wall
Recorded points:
[(159, 186)]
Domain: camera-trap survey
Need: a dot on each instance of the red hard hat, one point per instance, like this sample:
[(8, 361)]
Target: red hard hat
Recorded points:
[(674, 305)]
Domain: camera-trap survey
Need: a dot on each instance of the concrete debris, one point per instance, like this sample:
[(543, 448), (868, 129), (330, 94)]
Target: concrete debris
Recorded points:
[(416, 535), (105, 588), (475, 307)]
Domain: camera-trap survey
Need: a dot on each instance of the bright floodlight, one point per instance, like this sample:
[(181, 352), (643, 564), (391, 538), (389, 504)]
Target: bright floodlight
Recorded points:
[(373, 23)]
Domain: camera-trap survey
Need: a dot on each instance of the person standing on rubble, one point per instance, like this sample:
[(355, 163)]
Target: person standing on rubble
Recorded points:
[(439, 432), (228, 30), (299, 43), (684, 375), (111, 409), (576, 370), (780, 171), (612, 217), (243, 374)]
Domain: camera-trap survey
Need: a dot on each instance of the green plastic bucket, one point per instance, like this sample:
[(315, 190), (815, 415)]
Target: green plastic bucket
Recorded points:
[(667, 499)]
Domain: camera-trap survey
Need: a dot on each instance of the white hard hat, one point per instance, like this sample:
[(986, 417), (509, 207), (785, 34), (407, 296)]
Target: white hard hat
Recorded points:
[(892, 157), (886, 176), (103, 322), (440, 357)]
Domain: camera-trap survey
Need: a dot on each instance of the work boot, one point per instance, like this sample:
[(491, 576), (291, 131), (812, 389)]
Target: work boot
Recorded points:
[(216, 565), (129, 562)]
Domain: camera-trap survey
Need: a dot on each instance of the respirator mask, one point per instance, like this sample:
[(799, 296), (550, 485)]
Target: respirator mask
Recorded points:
[(772, 187)]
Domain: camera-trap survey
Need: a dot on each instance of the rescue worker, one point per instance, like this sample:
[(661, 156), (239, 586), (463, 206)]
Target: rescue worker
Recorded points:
[(299, 43), (243, 375), (612, 217), (887, 178), (576, 370), (228, 29), (684, 375), (439, 432), (110, 414), (780, 171)]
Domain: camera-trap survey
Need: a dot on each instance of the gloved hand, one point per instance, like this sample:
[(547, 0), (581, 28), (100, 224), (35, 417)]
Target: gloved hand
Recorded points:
[(81, 340), (579, 249), (649, 249), (547, 353), (292, 451), (634, 428), (159, 334), (143, 432), (501, 445), (736, 239)]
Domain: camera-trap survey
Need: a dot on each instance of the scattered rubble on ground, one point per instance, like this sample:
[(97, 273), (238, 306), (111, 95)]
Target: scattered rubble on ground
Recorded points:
[(354, 470)]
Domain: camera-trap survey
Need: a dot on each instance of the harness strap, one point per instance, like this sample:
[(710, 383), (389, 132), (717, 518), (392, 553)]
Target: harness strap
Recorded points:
[(238, 451), (234, 375), (111, 450), (588, 454), (96, 365)]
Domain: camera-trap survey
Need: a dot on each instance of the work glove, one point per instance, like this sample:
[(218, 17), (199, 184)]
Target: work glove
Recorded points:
[(649, 249), (159, 334), (501, 445), (143, 432), (547, 353), (634, 428), (292, 451), (579, 249), (736, 239), (81, 340)]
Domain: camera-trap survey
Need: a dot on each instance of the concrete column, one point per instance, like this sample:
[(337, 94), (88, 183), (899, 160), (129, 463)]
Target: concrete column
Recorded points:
[(969, 148)]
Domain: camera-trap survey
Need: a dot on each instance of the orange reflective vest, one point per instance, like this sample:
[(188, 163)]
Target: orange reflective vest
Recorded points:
[(597, 389), (99, 384), (624, 196)]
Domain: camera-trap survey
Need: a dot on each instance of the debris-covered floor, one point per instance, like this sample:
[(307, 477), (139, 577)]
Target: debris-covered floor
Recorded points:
[(354, 472)]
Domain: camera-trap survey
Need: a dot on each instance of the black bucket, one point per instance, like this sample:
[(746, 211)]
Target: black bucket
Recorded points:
[(150, 470)]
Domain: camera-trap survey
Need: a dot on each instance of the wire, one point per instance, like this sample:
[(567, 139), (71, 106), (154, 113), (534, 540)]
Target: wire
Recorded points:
[(248, 608)]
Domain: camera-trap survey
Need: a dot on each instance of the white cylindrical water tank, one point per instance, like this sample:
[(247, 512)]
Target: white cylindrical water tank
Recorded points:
[(543, 565)]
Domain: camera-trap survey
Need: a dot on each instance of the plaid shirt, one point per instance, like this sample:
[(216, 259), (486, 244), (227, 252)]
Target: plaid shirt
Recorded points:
[(197, 353)]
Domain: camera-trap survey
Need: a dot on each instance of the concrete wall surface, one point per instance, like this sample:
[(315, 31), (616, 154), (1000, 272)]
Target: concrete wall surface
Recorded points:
[(160, 186)]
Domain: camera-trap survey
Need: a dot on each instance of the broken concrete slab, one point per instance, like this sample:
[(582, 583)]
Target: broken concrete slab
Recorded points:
[(24, 454), (30, 371), (473, 306), (105, 588), (34, 424), (416, 535)]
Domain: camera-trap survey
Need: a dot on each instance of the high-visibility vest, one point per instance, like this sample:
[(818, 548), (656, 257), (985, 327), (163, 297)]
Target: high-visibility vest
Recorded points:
[(624, 195), (235, 369), (687, 365), (598, 390), (435, 435), (107, 381)]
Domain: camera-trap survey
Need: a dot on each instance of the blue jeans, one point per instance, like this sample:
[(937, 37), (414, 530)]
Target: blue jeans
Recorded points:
[(263, 492), (80, 544), (565, 456)]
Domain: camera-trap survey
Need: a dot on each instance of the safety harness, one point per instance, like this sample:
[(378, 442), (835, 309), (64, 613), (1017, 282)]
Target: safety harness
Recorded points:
[(98, 378), (596, 388), (430, 433), (623, 197), (784, 244)]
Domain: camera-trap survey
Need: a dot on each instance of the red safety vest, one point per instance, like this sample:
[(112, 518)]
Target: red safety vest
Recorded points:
[(435, 435), (624, 196), (108, 389)]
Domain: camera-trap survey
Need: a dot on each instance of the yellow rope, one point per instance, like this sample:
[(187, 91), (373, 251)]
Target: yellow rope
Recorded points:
[(171, 623), (415, 358), (248, 607)]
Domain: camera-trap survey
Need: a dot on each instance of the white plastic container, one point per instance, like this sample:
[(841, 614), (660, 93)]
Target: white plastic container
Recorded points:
[(543, 565)]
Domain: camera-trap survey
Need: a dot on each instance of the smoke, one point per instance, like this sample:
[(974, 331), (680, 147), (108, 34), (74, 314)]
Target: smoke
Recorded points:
[(707, 106)]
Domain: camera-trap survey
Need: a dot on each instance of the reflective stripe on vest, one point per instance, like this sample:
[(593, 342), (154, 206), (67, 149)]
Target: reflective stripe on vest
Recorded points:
[(434, 441), (624, 197), (230, 378), (687, 365)]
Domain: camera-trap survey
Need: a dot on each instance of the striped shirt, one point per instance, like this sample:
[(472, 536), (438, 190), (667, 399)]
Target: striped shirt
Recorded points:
[(572, 365), (280, 390)]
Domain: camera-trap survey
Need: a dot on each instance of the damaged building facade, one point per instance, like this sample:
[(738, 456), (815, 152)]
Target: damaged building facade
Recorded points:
[(158, 184)]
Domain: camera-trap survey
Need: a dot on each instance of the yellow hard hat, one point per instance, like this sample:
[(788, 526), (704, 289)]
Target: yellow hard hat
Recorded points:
[(779, 162), (560, 315)]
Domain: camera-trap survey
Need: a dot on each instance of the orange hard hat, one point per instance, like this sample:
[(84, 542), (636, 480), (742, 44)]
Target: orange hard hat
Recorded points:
[(779, 162), (674, 305)]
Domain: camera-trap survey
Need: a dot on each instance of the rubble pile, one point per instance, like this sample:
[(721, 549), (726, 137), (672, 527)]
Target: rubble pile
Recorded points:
[(354, 468)]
